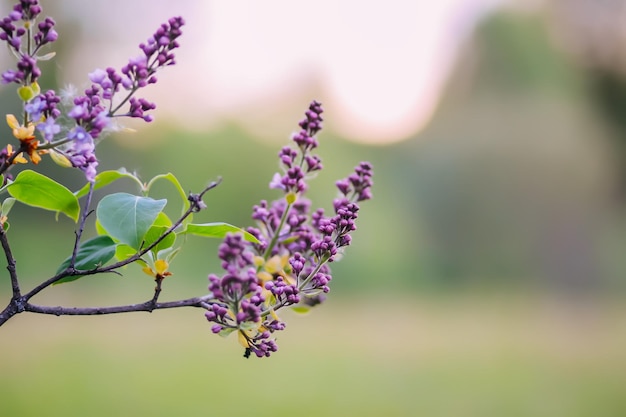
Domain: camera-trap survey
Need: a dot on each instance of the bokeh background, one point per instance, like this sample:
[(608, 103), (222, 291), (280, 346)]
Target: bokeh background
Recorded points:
[(487, 275)]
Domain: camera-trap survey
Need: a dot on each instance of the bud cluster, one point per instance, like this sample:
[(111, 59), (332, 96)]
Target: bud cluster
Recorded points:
[(288, 266)]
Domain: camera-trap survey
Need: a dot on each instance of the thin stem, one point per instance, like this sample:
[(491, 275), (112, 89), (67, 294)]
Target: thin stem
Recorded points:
[(15, 285), (121, 103), (81, 226), (315, 271), (274, 240), (52, 145)]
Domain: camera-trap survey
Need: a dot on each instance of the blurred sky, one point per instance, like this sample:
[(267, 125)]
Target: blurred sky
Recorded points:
[(379, 67)]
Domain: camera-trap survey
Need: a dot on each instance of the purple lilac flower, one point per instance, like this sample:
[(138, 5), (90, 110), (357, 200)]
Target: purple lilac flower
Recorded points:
[(138, 107), (137, 73), (359, 183), (296, 246), (92, 112), (239, 297), (35, 108), (49, 129), (51, 101), (27, 11), (46, 33), (81, 152), (10, 33), (310, 125), (11, 76), (27, 70)]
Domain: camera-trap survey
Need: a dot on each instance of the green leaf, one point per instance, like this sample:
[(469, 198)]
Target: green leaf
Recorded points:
[(301, 309), (154, 233), (171, 178), (123, 252), (34, 189), (91, 254), (47, 56), (105, 178), (26, 93), (7, 204), (127, 217), (99, 229), (248, 325), (225, 332), (168, 254), (160, 225), (218, 230)]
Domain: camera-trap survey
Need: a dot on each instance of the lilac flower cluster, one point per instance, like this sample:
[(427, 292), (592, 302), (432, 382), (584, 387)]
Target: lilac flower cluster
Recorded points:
[(241, 299), (91, 113), (294, 177), (27, 70), (288, 266)]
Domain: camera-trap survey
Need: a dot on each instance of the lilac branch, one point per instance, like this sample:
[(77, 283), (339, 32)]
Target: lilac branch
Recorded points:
[(19, 303), (6, 165), (195, 206), (157, 290), (15, 285), (148, 306)]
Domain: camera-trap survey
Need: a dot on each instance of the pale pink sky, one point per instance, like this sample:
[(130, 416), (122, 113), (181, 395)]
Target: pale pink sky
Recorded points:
[(378, 66)]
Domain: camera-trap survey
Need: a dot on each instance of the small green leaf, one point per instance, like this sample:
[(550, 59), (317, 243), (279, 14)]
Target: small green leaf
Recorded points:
[(160, 225), (34, 189), (91, 254), (162, 220), (127, 217), (248, 325), (46, 57), (218, 230), (35, 87), (123, 252), (26, 93), (168, 254), (7, 204), (105, 178), (225, 332), (301, 309), (154, 233)]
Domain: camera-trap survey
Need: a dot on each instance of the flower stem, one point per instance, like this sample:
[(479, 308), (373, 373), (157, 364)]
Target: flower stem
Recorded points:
[(274, 240)]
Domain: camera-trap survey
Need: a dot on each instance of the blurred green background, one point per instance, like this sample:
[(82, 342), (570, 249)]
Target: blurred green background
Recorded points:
[(486, 277)]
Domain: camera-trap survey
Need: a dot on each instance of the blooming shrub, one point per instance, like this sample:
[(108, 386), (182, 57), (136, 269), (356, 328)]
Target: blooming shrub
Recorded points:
[(281, 262)]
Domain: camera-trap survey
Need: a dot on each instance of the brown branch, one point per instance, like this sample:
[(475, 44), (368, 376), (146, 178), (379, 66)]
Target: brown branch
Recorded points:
[(9, 161), (147, 306), (15, 285), (19, 303), (157, 290)]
